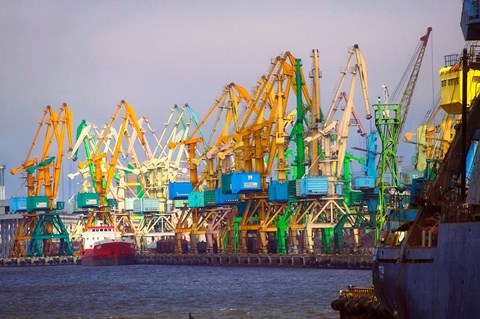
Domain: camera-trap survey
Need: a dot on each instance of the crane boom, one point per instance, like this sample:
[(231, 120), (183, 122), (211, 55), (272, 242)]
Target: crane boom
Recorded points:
[(412, 81)]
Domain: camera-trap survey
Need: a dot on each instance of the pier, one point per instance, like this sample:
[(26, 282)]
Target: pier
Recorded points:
[(221, 260), (260, 260), (40, 261)]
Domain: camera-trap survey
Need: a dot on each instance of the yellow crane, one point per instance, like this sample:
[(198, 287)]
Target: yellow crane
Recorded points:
[(103, 179), (194, 220), (259, 148), (42, 224)]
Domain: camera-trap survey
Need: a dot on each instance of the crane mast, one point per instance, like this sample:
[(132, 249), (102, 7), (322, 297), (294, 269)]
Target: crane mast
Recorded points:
[(316, 115)]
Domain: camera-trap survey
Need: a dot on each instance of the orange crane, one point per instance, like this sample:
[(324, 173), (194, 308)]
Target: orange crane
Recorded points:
[(194, 220), (103, 179), (235, 94), (43, 176), (260, 146)]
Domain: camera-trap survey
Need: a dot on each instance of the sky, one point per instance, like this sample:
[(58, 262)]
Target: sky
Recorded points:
[(154, 54)]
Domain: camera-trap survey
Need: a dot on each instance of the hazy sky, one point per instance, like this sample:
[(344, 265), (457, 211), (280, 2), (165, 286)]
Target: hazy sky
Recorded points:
[(93, 54)]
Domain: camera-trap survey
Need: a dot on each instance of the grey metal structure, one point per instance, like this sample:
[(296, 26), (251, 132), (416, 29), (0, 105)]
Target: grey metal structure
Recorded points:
[(2, 182), (8, 226)]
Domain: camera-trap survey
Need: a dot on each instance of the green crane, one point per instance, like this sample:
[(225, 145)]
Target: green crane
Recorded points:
[(298, 128), (388, 123)]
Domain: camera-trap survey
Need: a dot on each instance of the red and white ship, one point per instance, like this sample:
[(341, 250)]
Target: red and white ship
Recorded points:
[(103, 246)]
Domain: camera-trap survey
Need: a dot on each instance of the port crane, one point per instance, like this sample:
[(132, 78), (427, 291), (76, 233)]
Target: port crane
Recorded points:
[(261, 144), (101, 211), (333, 135), (88, 135), (164, 166), (42, 223), (390, 119), (235, 94), (202, 215)]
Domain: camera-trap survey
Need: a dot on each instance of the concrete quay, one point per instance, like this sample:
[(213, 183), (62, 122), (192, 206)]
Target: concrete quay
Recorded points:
[(260, 260), (40, 261)]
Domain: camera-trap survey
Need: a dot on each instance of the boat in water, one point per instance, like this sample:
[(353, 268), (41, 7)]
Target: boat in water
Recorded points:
[(426, 260), (103, 246)]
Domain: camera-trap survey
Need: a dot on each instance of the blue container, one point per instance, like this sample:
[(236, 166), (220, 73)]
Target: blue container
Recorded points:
[(409, 176), (314, 185), (364, 182), (245, 182), (339, 189), (278, 192), (225, 199), (416, 189), (18, 204), (179, 190)]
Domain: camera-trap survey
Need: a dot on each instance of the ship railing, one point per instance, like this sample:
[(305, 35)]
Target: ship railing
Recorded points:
[(473, 56), (460, 213), (452, 59)]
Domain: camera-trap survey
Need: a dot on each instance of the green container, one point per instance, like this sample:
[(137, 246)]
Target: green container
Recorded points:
[(202, 199), (88, 200), (60, 205), (356, 198), (180, 203), (226, 180), (112, 202), (292, 189), (193, 200), (37, 203), (209, 198)]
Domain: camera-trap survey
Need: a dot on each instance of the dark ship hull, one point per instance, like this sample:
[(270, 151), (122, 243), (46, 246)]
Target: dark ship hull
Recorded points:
[(435, 282)]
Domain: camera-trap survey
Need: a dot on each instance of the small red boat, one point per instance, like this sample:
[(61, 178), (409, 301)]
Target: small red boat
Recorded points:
[(103, 246)]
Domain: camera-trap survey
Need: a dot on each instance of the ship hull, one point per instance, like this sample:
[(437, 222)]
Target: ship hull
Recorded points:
[(435, 282), (110, 254)]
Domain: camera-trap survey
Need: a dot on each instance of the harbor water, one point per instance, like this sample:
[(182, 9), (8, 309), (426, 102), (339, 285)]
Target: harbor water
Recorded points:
[(169, 291)]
